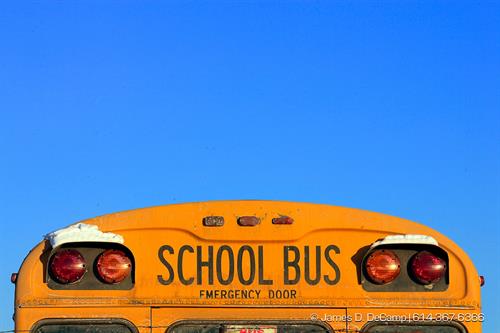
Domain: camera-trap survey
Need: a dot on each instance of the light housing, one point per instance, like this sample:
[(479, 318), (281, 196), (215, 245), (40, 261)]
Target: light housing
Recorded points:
[(113, 266), (382, 266), (67, 266), (427, 268)]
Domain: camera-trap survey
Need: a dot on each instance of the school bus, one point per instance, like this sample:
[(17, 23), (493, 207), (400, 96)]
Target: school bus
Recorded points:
[(247, 267)]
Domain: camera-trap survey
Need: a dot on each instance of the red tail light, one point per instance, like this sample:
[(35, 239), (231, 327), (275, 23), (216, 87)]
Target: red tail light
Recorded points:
[(382, 266), (67, 266), (113, 266), (427, 268)]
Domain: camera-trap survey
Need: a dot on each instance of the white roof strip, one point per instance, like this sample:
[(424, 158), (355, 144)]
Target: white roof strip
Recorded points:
[(81, 232), (406, 239)]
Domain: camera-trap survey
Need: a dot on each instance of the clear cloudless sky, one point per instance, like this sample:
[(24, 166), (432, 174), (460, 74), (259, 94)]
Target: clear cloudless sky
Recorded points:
[(386, 106)]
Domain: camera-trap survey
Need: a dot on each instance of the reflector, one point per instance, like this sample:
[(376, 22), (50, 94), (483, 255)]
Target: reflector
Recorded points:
[(67, 266), (427, 268), (382, 266), (113, 266)]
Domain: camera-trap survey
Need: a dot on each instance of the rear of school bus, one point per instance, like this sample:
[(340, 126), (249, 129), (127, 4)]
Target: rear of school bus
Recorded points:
[(247, 267)]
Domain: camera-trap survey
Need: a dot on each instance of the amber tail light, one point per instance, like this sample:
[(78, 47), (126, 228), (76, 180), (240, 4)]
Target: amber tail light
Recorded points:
[(113, 266), (382, 266)]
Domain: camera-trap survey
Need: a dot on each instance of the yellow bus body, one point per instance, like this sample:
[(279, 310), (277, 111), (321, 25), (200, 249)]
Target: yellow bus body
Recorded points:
[(153, 307)]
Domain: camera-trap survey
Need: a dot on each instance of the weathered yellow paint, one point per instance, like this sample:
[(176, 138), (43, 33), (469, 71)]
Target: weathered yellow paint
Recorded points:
[(151, 303)]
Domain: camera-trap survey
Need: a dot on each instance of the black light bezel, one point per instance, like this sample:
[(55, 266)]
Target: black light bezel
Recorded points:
[(405, 282), (90, 280)]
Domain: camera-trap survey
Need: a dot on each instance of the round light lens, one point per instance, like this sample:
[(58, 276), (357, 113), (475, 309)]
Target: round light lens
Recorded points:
[(427, 268), (113, 266), (67, 266), (382, 266)]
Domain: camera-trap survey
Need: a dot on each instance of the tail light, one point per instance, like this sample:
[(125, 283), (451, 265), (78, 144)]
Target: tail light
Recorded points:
[(67, 266), (427, 268), (382, 266), (113, 266)]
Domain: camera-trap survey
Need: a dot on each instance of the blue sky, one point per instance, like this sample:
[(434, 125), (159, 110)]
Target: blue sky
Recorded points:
[(391, 107)]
